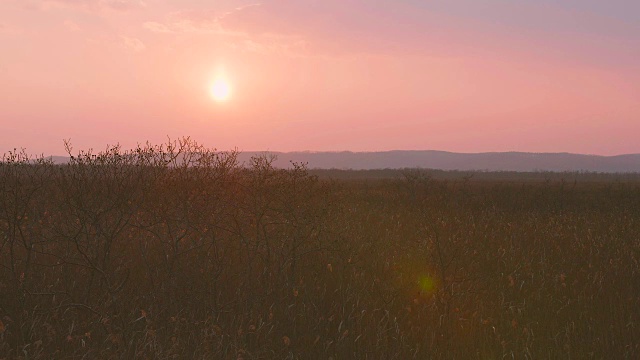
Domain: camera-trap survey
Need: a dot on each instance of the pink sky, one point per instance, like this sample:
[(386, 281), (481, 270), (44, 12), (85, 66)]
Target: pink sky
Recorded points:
[(461, 75)]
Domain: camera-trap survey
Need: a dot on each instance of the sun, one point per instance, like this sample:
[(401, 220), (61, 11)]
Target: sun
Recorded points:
[(220, 90)]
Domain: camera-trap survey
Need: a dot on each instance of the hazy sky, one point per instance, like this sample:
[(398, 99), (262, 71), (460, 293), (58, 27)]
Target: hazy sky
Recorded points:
[(457, 75)]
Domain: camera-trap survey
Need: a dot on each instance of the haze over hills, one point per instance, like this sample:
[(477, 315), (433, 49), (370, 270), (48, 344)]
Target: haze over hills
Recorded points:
[(431, 159), (443, 160)]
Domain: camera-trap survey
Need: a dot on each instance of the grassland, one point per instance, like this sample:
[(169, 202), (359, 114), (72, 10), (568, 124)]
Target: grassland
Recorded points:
[(179, 252)]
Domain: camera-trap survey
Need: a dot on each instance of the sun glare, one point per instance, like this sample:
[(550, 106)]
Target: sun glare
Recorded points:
[(220, 90)]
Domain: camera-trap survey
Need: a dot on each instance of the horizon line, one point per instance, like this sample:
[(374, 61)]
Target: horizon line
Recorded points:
[(401, 150)]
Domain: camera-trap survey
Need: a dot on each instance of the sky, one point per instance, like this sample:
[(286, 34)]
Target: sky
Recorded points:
[(322, 75)]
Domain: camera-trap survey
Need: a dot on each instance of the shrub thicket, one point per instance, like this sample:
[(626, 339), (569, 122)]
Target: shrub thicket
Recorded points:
[(177, 251)]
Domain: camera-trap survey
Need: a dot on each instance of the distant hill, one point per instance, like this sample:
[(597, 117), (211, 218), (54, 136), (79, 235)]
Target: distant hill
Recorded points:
[(443, 160), (430, 159)]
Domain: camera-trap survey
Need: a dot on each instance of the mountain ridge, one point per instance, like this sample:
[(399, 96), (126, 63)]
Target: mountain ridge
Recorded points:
[(446, 160)]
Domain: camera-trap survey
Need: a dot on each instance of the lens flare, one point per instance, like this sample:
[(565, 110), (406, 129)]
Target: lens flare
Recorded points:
[(426, 284)]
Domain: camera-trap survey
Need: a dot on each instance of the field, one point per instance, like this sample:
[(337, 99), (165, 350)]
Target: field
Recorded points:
[(179, 252)]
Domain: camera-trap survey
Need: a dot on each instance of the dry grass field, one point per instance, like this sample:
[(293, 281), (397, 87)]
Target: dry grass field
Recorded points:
[(179, 252)]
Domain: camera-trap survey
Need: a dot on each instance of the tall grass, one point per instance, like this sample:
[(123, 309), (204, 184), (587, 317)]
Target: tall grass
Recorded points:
[(177, 251)]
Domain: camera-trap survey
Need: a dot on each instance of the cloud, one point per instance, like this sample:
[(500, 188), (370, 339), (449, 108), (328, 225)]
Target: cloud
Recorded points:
[(212, 23), (459, 29), (192, 21), (156, 27), (134, 44), (271, 43), (238, 9), (124, 5), (90, 5), (178, 24), (9, 30), (338, 26), (71, 26), (286, 27)]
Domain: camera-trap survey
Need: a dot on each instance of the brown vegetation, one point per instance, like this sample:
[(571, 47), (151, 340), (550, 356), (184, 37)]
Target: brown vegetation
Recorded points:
[(179, 252)]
